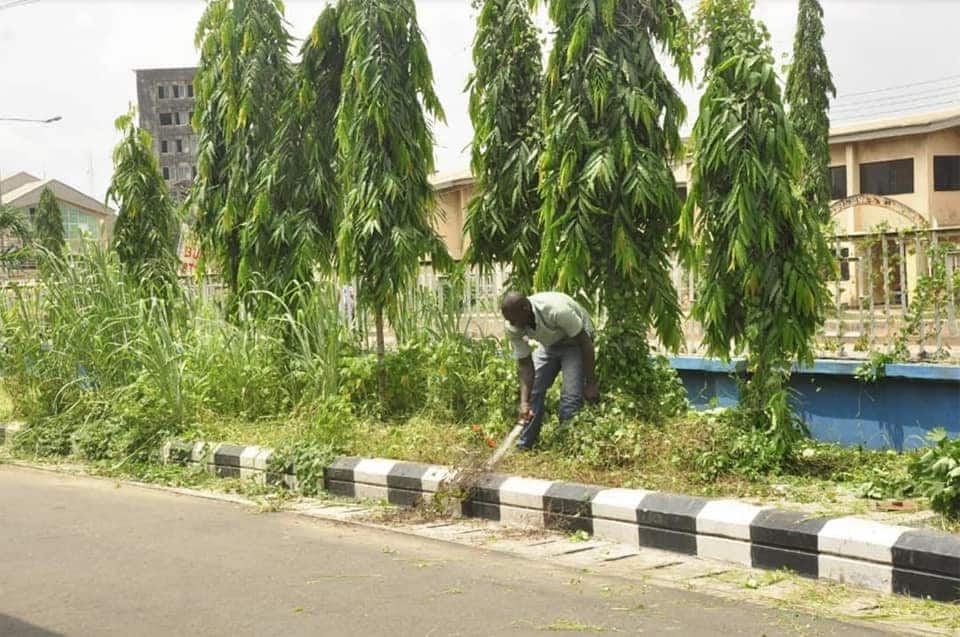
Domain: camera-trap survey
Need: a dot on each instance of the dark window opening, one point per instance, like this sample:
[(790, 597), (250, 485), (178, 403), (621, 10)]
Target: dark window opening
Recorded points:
[(194, 169), (166, 119), (162, 92), (176, 91), (887, 177), (179, 145), (176, 118), (845, 264), (838, 182), (189, 90), (166, 172), (164, 147), (946, 172)]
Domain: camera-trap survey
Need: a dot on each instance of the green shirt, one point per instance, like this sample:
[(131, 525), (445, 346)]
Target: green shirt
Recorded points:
[(558, 317)]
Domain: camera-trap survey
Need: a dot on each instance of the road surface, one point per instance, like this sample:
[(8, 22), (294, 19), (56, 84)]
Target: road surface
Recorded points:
[(81, 556)]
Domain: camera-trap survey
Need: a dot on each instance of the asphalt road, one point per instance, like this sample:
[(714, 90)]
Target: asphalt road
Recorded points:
[(90, 557)]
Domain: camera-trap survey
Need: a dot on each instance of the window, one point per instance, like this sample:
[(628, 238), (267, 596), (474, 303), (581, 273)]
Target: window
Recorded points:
[(162, 92), (682, 192), (78, 224), (166, 119), (32, 212), (189, 90), (176, 91), (179, 145), (193, 170), (166, 173), (164, 147), (176, 119), (838, 182), (844, 264), (887, 177), (946, 172)]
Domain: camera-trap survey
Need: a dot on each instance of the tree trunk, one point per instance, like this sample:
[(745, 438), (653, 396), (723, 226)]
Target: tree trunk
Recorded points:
[(381, 366)]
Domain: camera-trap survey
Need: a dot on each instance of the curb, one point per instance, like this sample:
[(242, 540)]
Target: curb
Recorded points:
[(882, 557)]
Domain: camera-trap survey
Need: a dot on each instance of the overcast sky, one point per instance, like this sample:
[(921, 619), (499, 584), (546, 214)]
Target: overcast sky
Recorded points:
[(75, 58)]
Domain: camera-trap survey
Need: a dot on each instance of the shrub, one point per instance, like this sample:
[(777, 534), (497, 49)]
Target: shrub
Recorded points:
[(936, 473)]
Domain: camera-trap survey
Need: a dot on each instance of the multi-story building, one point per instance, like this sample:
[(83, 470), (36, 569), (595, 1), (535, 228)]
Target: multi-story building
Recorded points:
[(84, 218), (165, 99)]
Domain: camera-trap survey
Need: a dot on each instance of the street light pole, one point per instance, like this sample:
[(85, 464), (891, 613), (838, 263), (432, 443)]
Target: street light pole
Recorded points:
[(21, 120)]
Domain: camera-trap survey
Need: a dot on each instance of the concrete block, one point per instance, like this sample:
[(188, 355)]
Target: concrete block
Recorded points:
[(524, 492), (727, 518), (407, 475), (878, 577), (373, 471), (669, 511), (787, 529), (263, 458), (625, 533), (570, 499), (341, 469), (927, 551), (618, 504), (773, 558), (725, 549), (860, 539), (934, 586), (227, 455), (248, 457)]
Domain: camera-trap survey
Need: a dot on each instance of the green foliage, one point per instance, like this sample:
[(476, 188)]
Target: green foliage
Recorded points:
[(145, 232), (297, 208), (386, 150), (241, 83), (48, 227), (758, 254), (874, 368), (14, 223), (504, 91), (612, 118), (936, 473), (808, 91)]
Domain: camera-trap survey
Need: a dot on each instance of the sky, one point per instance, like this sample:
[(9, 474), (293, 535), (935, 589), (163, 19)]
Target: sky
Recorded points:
[(75, 59)]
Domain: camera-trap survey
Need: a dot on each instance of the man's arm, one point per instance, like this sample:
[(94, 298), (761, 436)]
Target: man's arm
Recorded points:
[(589, 364), (526, 373)]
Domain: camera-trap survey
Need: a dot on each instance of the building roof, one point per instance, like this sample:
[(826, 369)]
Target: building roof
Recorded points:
[(26, 192), (451, 180), (911, 124)]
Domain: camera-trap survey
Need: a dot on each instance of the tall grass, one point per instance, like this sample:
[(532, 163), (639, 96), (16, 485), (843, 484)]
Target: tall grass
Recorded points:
[(87, 349)]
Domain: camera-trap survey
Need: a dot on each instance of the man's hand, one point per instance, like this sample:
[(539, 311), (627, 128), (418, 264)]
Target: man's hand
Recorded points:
[(526, 413), (590, 393)]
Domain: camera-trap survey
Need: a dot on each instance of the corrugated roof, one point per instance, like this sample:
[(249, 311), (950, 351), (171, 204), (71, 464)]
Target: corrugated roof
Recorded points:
[(75, 196)]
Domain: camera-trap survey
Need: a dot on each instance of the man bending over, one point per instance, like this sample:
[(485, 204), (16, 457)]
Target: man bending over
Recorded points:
[(565, 334)]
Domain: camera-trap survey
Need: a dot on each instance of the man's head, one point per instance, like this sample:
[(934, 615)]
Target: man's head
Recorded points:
[(516, 308)]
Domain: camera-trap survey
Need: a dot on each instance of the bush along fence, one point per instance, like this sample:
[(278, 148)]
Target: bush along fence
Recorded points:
[(882, 557)]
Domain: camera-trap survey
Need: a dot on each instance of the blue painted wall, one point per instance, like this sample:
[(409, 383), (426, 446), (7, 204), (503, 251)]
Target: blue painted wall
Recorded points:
[(896, 412)]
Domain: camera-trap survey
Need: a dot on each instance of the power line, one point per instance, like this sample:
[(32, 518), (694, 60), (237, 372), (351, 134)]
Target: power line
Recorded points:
[(901, 101), (891, 88), (896, 111), (927, 91)]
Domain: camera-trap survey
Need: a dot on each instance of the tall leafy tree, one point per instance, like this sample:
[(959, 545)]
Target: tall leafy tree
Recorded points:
[(502, 218), (756, 251), (145, 232), (386, 154), (48, 224), (297, 209), (809, 87), (243, 75), (610, 202)]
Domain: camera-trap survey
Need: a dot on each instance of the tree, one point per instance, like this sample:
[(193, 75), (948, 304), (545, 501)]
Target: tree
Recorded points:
[(145, 232), (48, 224), (13, 224), (297, 208), (386, 154), (809, 87), (241, 81), (504, 91), (610, 202), (756, 251)]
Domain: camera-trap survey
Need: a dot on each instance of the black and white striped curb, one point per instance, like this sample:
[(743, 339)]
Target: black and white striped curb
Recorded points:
[(882, 557)]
